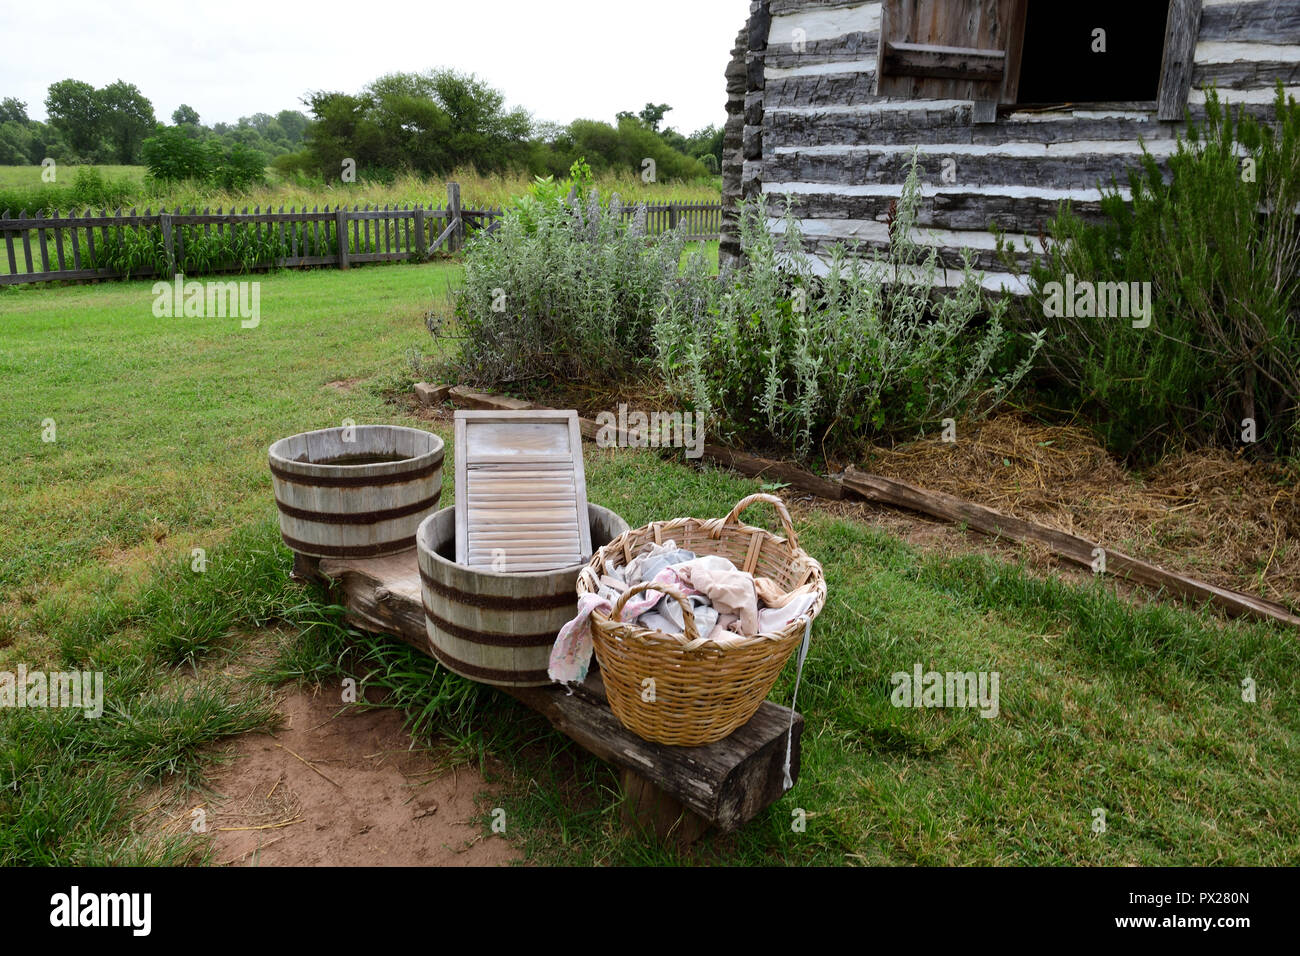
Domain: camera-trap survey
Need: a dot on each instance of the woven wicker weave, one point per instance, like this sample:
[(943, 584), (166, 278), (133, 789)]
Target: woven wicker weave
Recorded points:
[(702, 691)]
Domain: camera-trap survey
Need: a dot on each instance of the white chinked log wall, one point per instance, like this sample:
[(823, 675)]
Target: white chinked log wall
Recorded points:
[(808, 124)]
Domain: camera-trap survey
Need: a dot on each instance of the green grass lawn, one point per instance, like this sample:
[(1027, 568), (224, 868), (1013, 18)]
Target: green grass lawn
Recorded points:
[(162, 427)]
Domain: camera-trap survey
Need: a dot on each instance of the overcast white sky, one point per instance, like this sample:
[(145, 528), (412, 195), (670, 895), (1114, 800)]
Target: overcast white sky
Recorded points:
[(561, 61)]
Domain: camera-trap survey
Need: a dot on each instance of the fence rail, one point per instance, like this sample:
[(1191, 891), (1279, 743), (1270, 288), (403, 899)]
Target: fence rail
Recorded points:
[(120, 244)]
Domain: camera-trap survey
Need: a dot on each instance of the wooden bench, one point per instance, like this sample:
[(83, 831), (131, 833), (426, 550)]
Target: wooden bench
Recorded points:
[(678, 792)]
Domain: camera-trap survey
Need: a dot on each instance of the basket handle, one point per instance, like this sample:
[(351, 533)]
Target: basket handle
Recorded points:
[(688, 613), (786, 524)]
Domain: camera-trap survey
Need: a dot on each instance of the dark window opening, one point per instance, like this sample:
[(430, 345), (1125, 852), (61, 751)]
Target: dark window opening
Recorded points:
[(1062, 62)]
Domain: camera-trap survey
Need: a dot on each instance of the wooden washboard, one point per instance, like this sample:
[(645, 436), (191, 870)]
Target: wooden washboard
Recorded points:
[(521, 492)]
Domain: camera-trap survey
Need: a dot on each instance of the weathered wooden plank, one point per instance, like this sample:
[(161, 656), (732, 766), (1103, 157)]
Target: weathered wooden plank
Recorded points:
[(853, 46), (341, 232), (454, 215), (779, 471), (9, 247), (727, 783), (784, 128), (849, 88), (953, 210), (1260, 21), (786, 7), (1071, 547), (950, 255), (470, 398), (1080, 170), (944, 62), (1246, 74), (1180, 50), (169, 249), (58, 243), (76, 249), (969, 24), (90, 241), (21, 278)]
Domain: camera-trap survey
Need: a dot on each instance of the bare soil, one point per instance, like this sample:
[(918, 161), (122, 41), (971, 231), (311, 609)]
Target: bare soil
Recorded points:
[(340, 785)]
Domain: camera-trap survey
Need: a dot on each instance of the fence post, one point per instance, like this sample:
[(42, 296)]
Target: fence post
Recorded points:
[(420, 247), (672, 217), (165, 224), (341, 230), (457, 237)]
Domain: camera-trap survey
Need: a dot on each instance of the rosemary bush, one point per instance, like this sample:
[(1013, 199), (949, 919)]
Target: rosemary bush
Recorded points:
[(563, 291), (1223, 263), (875, 348)]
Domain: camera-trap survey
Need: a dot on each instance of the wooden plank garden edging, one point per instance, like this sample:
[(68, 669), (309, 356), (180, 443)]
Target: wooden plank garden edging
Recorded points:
[(676, 791), (946, 507), (1069, 546)]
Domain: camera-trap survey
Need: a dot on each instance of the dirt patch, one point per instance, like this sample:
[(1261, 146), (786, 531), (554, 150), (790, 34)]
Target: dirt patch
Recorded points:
[(340, 786)]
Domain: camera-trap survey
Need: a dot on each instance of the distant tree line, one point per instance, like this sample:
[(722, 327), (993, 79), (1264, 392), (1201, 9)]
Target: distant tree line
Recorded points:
[(111, 124), (428, 123), (436, 121)]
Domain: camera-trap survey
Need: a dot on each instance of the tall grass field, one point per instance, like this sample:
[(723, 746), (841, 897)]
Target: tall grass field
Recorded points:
[(21, 187)]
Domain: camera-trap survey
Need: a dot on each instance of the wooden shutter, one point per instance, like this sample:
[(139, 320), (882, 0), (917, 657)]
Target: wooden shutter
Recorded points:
[(521, 492), (952, 49)]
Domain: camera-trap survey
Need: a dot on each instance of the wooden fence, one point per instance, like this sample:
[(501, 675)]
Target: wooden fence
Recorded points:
[(119, 244)]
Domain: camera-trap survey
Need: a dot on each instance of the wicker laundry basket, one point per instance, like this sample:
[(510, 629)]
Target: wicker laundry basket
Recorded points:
[(701, 691)]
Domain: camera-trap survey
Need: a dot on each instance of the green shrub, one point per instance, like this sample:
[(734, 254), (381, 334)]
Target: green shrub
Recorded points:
[(1222, 342), (173, 155), (567, 292), (873, 349), (240, 169), (768, 353)]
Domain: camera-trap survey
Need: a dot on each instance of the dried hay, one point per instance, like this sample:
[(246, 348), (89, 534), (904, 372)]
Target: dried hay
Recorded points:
[(1209, 514)]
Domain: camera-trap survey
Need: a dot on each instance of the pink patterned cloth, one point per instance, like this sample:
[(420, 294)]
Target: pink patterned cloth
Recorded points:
[(571, 655)]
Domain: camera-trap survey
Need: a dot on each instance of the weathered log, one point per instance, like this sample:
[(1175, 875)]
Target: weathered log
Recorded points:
[(1071, 547)]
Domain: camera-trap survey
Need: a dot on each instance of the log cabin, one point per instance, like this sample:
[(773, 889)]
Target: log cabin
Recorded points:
[(1014, 105)]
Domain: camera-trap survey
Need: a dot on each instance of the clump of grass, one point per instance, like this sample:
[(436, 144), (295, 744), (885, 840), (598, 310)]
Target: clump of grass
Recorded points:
[(435, 701), (68, 782)]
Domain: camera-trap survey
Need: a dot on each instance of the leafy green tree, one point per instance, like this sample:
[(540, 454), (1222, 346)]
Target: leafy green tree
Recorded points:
[(185, 115), (294, 125), (653, 115), (13, 110), (429, 122), (77, 113), (15, 144), (127, 118)]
